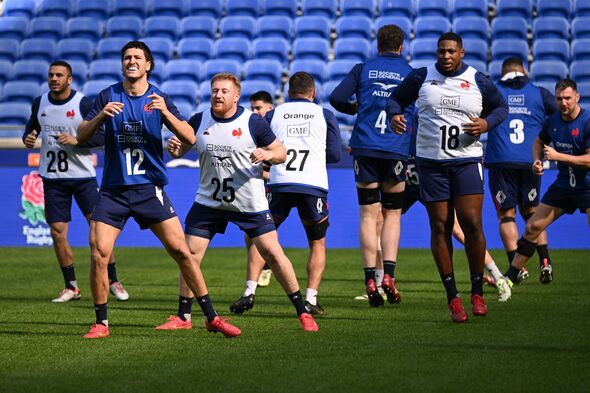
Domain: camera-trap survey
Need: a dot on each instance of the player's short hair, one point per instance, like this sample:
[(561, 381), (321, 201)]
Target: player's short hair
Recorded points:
[(565, 83), (146, 52), (227, 76), (390, 38), (450, 36), (512, 63), (62, 63), (301, 84), (262, 95)]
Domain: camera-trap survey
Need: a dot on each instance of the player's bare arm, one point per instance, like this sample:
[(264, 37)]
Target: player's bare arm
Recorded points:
[(176, 148), (538, 156), (582, 161), (67, 139), (88, 128), (180, 128), (476, 127), (275, 153)]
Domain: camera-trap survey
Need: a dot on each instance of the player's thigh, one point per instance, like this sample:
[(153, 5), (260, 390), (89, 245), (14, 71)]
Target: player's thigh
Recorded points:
[(466, 179), (170, 234), (86, 195), (280, 205)]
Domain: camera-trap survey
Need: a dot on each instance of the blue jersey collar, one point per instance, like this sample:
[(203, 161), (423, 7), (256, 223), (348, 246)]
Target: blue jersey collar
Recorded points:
[(234, 117), (459, 71)]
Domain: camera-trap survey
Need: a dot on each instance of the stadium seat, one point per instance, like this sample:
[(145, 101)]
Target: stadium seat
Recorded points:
[(84, 27), (475, 49), (22, 8), (38, 48), (129, 27), (430, 26), (280, 8), (159, 74), (509, 27), (5, 71), (548, 71), (325, 8), (181, 91), (58, 8), (584, 90), (507, 47), (342, 118), (9, 49), (271, 48), (481, 66), (581, 49), (552, 49), (561, 8), (317, 68), (184, 70), (495, 69), (550, 27), (204, 105), (96, 9), (175, 8), (204, 94), (51, 27), (358, 49), (579, 71), (105, 69), (130, 8), (241, 26), (471, 27), (357, 8), (242, 7), (20, 91), (263, 69), (401, 21), (162, 26), (211, 8), (354, 27), (215, 66), (581, 8), (14, 113), (162, 48), (14, 27), (30, 70), (520, 8), (581, 27), (76, 49), (79, 71), (403, 8), (187, 110), (275, 26), (201, 49), (110, 47), (338, 69), (250, 87), (420, 63), (233, 48), (199, 26), (312, 27), (424, 49), (92, 88), (432, 8), (463, 8), (311, 48), (328, 88)]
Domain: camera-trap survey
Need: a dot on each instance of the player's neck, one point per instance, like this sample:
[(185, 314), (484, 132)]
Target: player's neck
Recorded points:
[(226, 115), (573, 115), (60, 96), (135, 87)]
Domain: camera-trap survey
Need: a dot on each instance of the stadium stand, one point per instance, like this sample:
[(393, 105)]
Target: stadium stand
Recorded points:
[(201, 49), (9, 49), (110, 48), (243, 7), (275, 26), (550, 27), (182, 91), (215, 66), (22, 8), (198, 26), (313, 26), (509, 27), (403, 8), (581, 49), (271, 48), (404, 23), (13, 113), (358, 49), (84, 27), (581, 8), (431, 26), (581, 27), (520, 8), (20, 91), (174, 8), (560, 8), (136, 8), (98, 10), (310, 48), (354, 27), (211, 8), (552, 49), (472, 27), (471, 8), (52, 27), (240, 26), (129, 27), (109, 69), (5, 71), (325, 8), (506, 47), (317, 68), (184, 70), (338, 69), (432, 8), (233, 48), (286, 8), (165, 26), (58, 8), (30, 70), (38, 48), (264, 70), (580, 71), (14, 27), (357, 8), (76, 49)]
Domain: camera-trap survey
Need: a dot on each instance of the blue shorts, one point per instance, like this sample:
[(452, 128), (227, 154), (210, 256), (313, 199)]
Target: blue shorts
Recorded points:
[(380, 170), (58, 198), (310, 207), (567, 200), (203, 221), (511, 187), (444, 181), (411, 196), (148, 204)]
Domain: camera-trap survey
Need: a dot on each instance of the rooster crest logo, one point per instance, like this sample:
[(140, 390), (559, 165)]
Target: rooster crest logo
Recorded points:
[(237, 133), (465, 85), (70, 114), (575, 132)]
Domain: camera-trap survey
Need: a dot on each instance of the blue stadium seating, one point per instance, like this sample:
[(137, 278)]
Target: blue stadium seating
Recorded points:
[(201, 49), (472, 27), (432, 8), (96, 9), (509, 27), (175, 8), (110, 47), (76, 49), (233, 48), (552, 49), (30, 70), (317, 68), (431, 26), (242, 7), (185, 109), (211, 8), (465, 8), (23, 8), (9, 49), (507, 47), (241, 26), (250, 87), (51, 27), (38, 48), (584, 90), (581, 49), (423, 49), (162, 26), (184, 70), (84, 27), (475, 49), (403, 8), (581, 27), (200, 26), (419, 63), (14, 113), (79, 71), (280, 8), (14, 27), (580, 71), (314, 26), (562, 8), (128, 26), (215, 66), (550, 27), (263, 69), (275, 26), (401, 21), (354, 27), (130, 8), (5, 70), (92, 88), (581, 8), (481, 66), (181, 91), (520, 8), (21, 91), (495, 69), (59, 8), (310, 48), (328, 88), (271, 48), (158, 74), (343, 118), (203, 106), (204, 94), (548, 71), (357, 8), (325, 8), (338, 69), (358, 49), (162, 48), (109, 69)]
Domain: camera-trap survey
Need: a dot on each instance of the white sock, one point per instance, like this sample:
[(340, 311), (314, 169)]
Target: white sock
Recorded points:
[(250, 288), (105, 322), (311, 295), (494, 271), (379, 277), (187, 317), (74, 284)]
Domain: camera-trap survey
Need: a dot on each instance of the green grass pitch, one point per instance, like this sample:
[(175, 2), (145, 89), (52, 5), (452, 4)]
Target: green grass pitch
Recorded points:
[(537, 342)]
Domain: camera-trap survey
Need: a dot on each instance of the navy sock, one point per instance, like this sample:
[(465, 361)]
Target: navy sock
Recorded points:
[(101, 311), (389, 268), (477, 284), (297, 301), (448, 281), (510, 255), (512, 273), (185, 306), (112, 269), (543, 253), (369, 274), (69, 276), (207, 307)]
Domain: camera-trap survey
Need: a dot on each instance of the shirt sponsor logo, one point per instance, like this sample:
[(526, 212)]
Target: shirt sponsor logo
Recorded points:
[(220, 162), (516, 99), (132, 127), (563, 145), (377, 74), (299, 130), (53, 128), (220, 148), (384, 89), (450, 102), (303, 116)]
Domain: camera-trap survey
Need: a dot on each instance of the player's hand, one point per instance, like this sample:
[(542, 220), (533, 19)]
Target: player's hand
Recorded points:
[(550, 153), (174, 147), (398, 123), (477, 126), (30, 139), (538, 167), (259, 155), (157, 103), (67, 139), (113, 108)]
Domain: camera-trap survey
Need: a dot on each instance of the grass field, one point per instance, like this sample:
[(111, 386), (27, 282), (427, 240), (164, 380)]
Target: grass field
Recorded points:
[(536, 342)]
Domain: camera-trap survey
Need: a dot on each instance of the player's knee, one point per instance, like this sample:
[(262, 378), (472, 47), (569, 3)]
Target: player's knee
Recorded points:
[(317, 230), (392, 200), (525, 247), (368, 196), (507, 220)]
